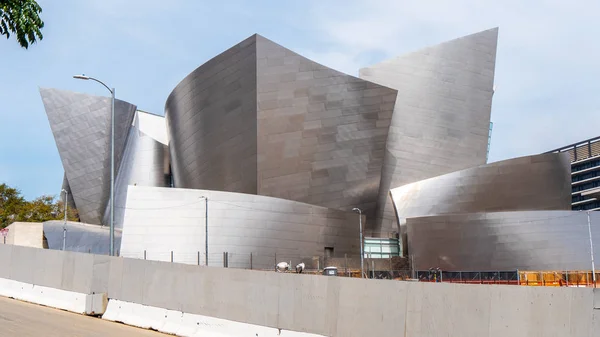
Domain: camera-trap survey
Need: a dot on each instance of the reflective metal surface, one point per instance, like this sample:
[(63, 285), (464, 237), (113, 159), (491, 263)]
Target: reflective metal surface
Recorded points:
[(441, 117), (159, 221), (321, 133), (80, 237), (262, 119), (81, 127), (540, 182), (539, 240), (145, 161), (211, 121)]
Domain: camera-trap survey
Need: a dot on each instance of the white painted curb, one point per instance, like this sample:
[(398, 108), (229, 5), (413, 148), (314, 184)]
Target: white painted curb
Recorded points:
[(184, 324), (52, 297)]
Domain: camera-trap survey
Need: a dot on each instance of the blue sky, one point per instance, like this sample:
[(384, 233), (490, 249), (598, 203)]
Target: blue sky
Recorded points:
[(547, 75)]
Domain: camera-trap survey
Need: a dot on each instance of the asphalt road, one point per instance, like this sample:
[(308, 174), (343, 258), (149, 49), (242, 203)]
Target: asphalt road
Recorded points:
[(21, 319)]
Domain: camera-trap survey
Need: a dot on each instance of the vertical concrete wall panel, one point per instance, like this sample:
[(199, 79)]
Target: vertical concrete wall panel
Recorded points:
[(48, 268), (310, 292), (101, 274), (20, 269), (381, 301), (116, 273), (5, 261), (159, 276), (132, 281)]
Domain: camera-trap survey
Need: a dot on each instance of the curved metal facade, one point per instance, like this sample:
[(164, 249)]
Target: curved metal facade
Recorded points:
[(441, 118), (159, 221), (539, 240), (211, 121), (81, 127), (321, 133), (80, 237), (540, 182), (264, 120), (145, 161)]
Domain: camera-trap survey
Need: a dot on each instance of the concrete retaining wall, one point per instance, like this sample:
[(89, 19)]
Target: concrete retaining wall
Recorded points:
[(319, 305)]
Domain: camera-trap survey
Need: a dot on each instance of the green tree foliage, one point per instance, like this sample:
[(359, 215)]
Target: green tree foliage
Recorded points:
[(11, 204), (21, 18), (13, 207)]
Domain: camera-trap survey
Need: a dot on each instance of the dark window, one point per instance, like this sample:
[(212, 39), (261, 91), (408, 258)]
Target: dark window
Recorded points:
[(328, 251)]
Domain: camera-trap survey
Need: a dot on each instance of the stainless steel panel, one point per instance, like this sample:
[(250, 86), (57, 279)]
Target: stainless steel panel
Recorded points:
[(540, 182), (81, 127), (211, 120), (441, 115), (321, 133), (145, 161), (159, 221), (536, 240), (80, 237), (264, 120)]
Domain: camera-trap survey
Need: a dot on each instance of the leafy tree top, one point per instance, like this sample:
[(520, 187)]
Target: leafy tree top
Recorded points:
[(21, 18), (13, 207)]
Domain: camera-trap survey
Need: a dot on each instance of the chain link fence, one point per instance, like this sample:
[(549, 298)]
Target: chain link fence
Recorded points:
[(392, 267)]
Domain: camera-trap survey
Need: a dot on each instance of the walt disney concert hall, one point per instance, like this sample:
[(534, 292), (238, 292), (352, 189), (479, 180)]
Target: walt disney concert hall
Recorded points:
[(263, 151)]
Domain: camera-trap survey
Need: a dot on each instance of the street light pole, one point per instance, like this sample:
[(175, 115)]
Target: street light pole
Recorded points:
[(362, 255), (205, 230), (591, 247), (65, 224), (112, 160)]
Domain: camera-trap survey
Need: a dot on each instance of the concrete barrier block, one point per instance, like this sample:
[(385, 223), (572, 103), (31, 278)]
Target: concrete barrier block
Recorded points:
[(135, 314), (95, 304), (286, 333), (10, 288), (57, 298), (596, 298), (189, 325), (173, 322), (115, 308), (148, 317), (27, 293)]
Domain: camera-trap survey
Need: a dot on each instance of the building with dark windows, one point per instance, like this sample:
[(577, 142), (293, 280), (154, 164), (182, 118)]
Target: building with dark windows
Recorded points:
[(263, 154), (585, 174)]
